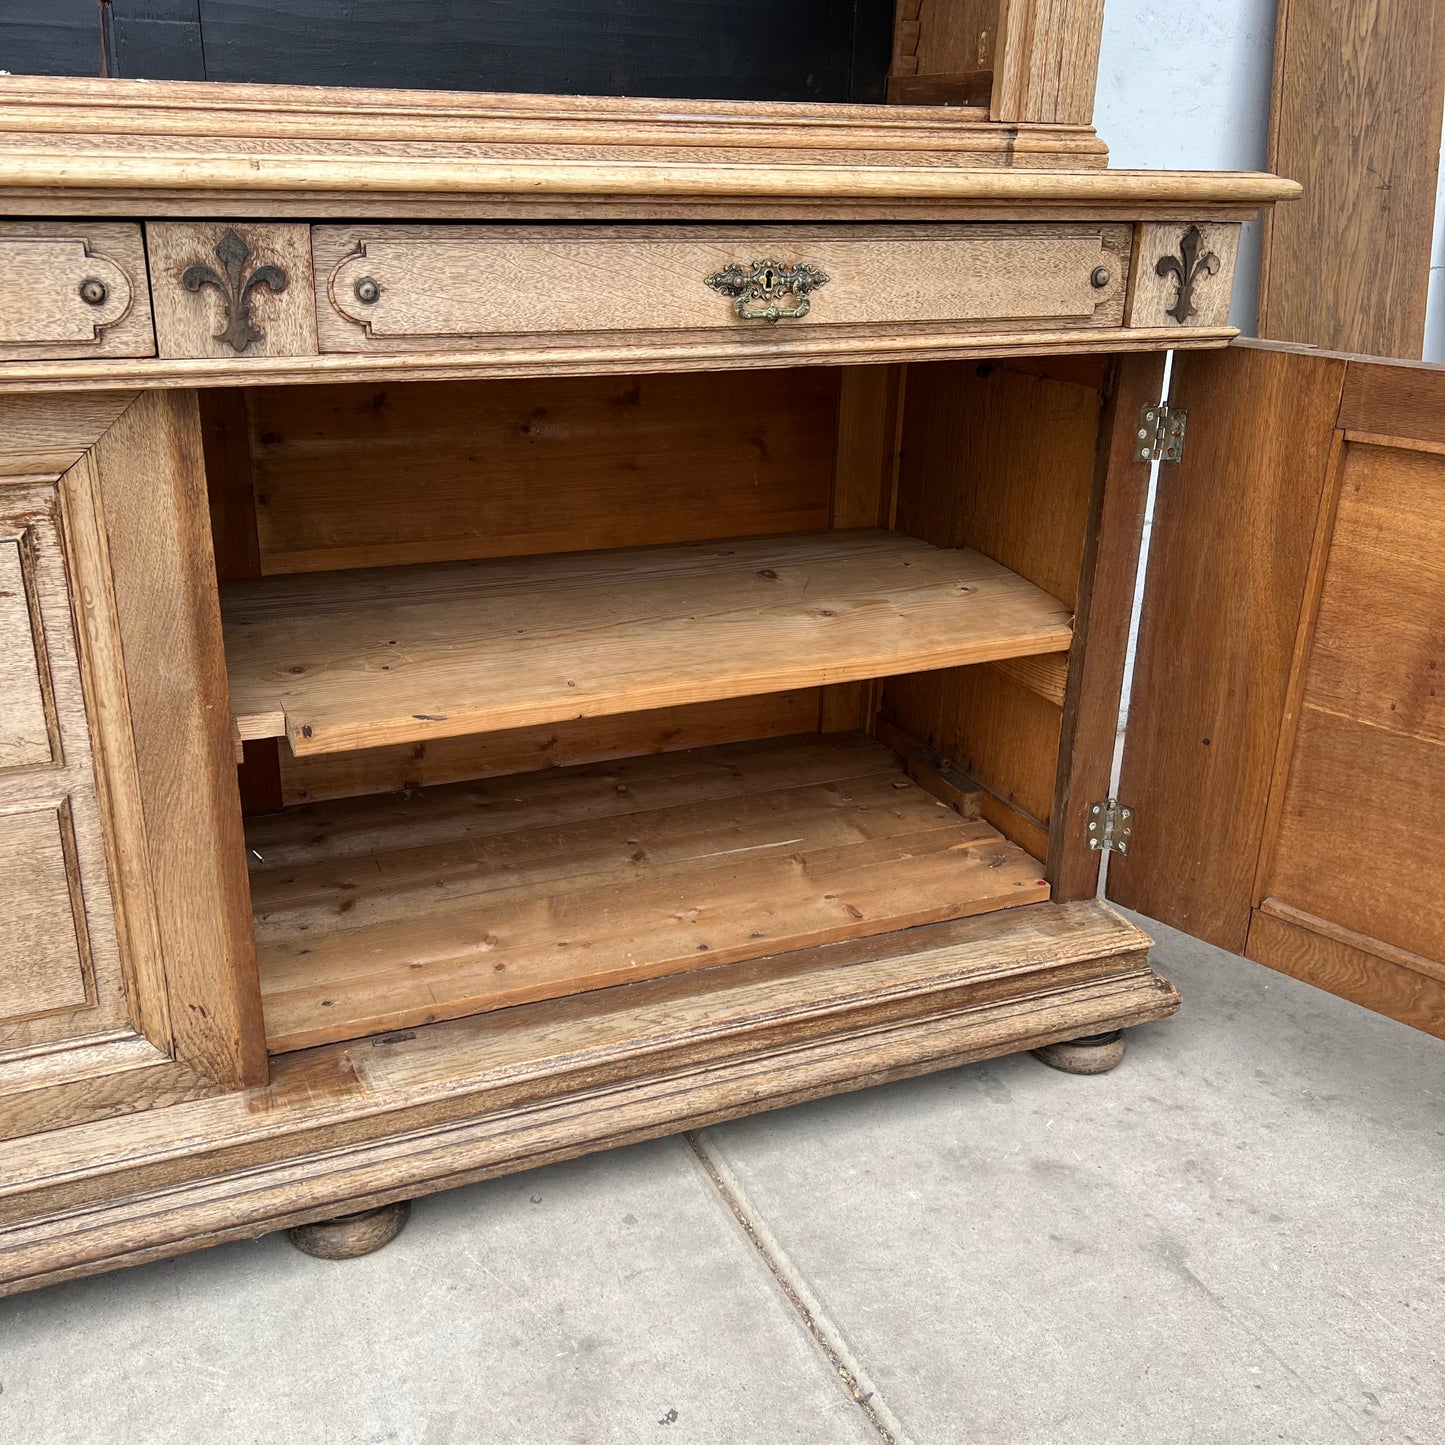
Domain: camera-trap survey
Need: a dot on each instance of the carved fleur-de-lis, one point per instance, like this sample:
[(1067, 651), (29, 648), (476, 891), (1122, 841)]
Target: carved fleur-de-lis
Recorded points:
[(1187, 267), (235, 288)]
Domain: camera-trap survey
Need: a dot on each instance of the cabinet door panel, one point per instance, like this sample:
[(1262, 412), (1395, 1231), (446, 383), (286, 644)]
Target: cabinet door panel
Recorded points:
[(25, 724), (44, 951), (60, 961), (1286, 745)]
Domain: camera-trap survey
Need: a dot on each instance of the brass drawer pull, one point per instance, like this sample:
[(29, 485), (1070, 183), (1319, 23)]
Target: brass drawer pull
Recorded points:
[(767, 281)]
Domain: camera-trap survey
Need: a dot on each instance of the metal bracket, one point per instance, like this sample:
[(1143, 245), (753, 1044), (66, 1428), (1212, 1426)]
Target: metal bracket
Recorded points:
[(1111, 826), (1160, 437)]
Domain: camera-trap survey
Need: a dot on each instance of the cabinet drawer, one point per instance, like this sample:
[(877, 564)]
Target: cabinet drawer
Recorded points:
[(398, 288), (73, 290)]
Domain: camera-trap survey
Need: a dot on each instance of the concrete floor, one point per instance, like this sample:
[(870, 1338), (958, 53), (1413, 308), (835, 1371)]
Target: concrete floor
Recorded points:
[(1238, 1236)]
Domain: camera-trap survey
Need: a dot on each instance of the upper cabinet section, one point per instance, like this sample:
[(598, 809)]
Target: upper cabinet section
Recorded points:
[(1006, 59)]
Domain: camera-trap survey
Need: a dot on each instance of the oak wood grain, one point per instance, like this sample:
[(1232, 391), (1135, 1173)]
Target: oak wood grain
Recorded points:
[(1156, 299), (150, 474), (44, 952), (1355, 968), (27, 711), (590, 354), (1217, 634), (1357, 97), (1047, 60)]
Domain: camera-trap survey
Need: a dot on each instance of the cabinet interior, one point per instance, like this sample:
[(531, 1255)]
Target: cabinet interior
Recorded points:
[(553, 684)]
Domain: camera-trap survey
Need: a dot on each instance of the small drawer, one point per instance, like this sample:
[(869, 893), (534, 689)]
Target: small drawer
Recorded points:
[(403, 288), (73, 290)]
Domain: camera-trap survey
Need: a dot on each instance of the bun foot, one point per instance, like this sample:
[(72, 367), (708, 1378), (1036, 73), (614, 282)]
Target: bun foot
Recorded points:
[(349, 1236), (1094, 1054)]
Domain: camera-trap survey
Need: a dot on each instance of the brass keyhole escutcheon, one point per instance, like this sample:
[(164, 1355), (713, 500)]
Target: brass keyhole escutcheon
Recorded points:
[(766, 283), (94, 291)]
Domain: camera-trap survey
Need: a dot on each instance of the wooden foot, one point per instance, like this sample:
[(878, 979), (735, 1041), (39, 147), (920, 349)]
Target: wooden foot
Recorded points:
[(1094, 1054), (351, 1235)]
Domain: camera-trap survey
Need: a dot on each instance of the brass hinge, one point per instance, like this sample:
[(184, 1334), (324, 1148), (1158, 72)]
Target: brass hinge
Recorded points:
[(1111, 826), (1160, 437)]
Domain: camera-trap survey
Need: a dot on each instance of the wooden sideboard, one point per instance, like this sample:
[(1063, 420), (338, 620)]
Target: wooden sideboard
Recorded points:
[(528, 624)]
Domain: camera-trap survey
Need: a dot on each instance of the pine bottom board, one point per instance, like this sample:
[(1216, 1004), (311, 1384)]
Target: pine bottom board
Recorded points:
[(379, 914)]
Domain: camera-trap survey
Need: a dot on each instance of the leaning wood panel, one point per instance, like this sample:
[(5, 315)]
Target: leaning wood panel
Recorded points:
[(603, 875), (1233, 534), (391, 288), (363, 659), (1369, 753), (151, 479), (357, 476), (1386, 792), (1358, 93)]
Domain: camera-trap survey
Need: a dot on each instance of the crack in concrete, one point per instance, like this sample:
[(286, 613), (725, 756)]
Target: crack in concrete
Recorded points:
[(795, 1290)]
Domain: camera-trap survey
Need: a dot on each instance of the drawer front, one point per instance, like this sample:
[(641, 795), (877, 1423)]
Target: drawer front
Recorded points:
[(27, 730), (390, 288), (73, 290)]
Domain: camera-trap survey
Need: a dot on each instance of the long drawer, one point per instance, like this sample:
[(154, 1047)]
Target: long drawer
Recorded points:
[(449, 287)]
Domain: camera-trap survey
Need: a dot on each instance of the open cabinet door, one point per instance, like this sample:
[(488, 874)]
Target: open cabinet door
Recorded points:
[(1285, 751)]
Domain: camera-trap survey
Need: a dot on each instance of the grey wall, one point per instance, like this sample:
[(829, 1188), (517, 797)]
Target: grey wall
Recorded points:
[(1187, 87)]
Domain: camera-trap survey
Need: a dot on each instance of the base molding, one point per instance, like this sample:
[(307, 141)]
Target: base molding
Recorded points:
[(621, 1066)]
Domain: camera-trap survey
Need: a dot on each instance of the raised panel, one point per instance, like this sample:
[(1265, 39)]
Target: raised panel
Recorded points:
[(62, 976), (73, 289), (26, 733), (1229, 562), (44, 950), (388, 287), (1368, 760)]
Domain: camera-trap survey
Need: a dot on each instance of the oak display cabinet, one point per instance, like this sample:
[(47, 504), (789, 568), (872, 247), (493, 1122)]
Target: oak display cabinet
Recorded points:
[(531, 623)]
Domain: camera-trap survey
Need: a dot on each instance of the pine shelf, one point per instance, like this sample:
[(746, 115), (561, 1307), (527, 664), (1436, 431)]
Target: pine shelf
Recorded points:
[(390, 912), (343, 660)]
